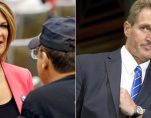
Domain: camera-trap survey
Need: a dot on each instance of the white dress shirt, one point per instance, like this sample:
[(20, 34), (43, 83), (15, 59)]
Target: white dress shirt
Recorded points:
[(128, 66)]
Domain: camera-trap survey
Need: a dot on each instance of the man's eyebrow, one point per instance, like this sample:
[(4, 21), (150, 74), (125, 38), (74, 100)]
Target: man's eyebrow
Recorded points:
[(145, 24)]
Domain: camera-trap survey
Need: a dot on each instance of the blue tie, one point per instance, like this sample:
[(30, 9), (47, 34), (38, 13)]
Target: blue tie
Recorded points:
[(137, 83)]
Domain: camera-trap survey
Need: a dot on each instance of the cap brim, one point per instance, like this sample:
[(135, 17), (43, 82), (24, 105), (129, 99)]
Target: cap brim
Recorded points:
[(34, 43)]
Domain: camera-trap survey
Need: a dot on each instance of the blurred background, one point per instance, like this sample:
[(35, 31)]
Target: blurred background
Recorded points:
[(100, 24), (30, 15)]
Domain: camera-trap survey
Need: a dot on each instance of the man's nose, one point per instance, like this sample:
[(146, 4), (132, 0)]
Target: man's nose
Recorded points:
[(148, 38)]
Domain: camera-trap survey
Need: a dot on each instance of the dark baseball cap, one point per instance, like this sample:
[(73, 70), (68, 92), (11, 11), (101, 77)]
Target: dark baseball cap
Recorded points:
[(57, 33)]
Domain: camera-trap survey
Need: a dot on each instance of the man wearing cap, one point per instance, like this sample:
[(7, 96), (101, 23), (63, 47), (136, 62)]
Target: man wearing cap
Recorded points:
[(54, 50)]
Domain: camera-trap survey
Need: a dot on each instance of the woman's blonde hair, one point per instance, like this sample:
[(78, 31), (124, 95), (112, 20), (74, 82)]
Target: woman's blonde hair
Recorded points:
[(8, 14)]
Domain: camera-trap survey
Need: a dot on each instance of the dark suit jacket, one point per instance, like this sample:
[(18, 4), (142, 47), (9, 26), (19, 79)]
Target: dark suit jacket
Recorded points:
[(55, 100), (98, 86)]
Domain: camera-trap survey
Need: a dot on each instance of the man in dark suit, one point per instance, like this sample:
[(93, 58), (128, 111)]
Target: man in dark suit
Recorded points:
[(54, 50), (118, 84)]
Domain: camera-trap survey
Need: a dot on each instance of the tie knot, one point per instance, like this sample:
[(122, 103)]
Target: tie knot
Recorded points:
[(138, 69)]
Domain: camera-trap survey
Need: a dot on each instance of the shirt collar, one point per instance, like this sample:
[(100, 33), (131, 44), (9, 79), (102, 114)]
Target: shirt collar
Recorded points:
[(144, 66), (129, 61)]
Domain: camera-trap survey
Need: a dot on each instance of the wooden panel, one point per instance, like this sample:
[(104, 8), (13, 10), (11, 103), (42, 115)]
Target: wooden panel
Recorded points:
[(99, 21)]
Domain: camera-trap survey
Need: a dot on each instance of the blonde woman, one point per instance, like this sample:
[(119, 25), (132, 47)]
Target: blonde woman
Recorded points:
[(15, 82)]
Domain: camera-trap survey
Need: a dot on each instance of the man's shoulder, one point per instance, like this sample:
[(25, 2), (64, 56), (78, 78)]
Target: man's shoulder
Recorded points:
[(45, 92), (97, 57), (56, 94), (69, 81), (93, 56), (88, 60), (93, 63), (38, 94)]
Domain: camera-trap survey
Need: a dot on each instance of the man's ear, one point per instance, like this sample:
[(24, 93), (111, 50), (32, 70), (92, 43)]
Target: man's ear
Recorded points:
[(127, 28), (45, 60)]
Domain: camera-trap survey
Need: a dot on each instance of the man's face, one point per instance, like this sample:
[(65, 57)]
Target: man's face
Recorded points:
[(139, 36)]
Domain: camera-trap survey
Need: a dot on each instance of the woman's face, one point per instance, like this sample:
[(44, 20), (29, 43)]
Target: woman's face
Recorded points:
[(3, 33)]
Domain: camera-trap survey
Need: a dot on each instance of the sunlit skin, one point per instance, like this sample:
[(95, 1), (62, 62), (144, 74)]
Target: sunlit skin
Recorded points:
[(3, 33), (139, 36)]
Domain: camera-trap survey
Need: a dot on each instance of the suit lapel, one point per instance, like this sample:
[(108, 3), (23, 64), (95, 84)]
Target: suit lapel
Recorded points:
[(12, 82), (146, 90), (113, 64)]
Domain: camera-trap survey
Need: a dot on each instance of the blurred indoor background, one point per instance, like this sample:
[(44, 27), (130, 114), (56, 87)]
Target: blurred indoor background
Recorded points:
[(100, 24), (30, 15)]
